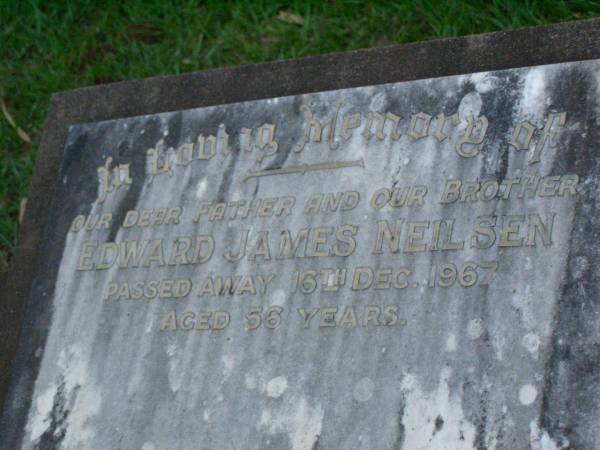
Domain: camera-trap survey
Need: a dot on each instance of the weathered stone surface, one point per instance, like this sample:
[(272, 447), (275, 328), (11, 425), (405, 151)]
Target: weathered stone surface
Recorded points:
[(475, 327)]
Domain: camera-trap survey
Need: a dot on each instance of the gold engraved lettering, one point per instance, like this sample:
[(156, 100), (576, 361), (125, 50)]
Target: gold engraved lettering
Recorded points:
[(91, 222), (110, 180), (266, 208), (510, 227), (221, 320), (346, 244), (206, 147), (568, 184), (169, 323), (232, 257), (307, 315), (419, 125), (349, 122), (304, 168), (400, 281), (185, 154), (397, 197), (525, 131), (384, 234), (549, 186), (332, 279), (441, 120), (159, 161), (371, 315), (285, 206), (383, 279), (131, 253), (447, 243), (199, 321), (288, 246), (348, 319), (363, 278), (242, 209), (203, 320), (486, 236), (390, 315), (86, 255), (416, 232), (522, 135), (486, 193), (156, 253), (313, 123), (547, 136), (261, 248), (451, 191), (181, 247), (395, 132), (224, 139), (149, 289), (544, 228), (327, 316), (318, 238), (108, 255), (246, 139), (184, 319), (265, 138), (379, 133), (146, 253), (332, 202), (468, 138), (527, 186)]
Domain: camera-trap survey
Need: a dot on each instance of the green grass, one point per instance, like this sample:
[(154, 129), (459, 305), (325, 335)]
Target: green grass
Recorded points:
[(48, 46)]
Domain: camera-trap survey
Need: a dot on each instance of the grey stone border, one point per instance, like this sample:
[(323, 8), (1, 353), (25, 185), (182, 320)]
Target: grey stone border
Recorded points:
[(564, 42)]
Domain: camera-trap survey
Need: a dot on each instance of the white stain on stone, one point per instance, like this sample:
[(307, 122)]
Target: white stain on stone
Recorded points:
[(527, 394), (475, 328), (499, 343), (531, 342), (378, 102), (148, 446), (470, 105), (534, 90), (539, 439), (43, 407), (278, 298), (435, 420), (228, 364), (363, 390), (276, 387), (484, 82), (79, 396), (451, 343), (250, 381), (523, 301), (301, 421), (579, 267), (175, 372), (201, 188)]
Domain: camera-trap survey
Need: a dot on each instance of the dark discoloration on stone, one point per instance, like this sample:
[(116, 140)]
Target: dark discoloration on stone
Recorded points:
[(573, 370), (439, 423), (56, 431), (573, 367)]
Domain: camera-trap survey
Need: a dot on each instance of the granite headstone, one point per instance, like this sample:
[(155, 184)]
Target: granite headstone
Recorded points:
[(409, 264)]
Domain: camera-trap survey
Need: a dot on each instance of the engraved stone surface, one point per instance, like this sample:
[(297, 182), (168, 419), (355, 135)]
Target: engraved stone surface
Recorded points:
[(410, 265)]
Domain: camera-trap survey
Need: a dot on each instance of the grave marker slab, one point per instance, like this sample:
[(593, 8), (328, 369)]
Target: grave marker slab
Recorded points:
[(363, 262)]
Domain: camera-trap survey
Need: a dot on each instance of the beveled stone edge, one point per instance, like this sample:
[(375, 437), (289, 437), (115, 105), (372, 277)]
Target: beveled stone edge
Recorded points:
[(563, 42)]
